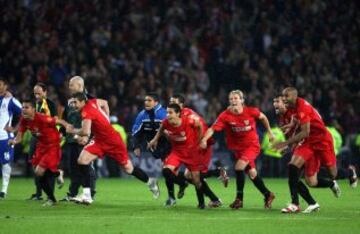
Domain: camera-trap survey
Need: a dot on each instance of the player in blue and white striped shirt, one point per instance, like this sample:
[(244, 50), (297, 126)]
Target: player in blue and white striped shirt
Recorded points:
[(10, 109)]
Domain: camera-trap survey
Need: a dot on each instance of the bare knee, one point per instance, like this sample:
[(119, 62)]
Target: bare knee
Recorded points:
[(39, 171), (128, 167), (311, 181), (297, 161), (252, 173), (187, 175), (241, 165), (333, 172), (197, 183), (196, 180)]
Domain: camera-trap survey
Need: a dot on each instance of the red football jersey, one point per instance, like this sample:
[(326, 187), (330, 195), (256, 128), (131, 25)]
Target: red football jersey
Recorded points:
[(183, 137), (286, 118), (187, 112), (43, 126), (100, 124), (306, 113), (240, 129)]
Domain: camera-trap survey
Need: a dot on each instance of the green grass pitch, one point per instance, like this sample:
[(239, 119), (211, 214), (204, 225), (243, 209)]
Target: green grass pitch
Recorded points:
[(126, 206)]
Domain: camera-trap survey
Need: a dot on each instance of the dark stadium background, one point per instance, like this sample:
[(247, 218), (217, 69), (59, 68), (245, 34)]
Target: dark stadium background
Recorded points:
[(202, 49)]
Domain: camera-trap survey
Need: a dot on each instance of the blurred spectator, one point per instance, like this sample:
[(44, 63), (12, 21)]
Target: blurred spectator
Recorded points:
[(127, 48)]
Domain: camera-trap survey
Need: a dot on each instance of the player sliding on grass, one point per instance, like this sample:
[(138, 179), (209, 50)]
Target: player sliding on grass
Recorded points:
[(105, 141)]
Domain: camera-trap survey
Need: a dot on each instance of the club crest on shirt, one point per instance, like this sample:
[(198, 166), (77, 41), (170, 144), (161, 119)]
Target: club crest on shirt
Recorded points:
[(182, 133), (246, 122)]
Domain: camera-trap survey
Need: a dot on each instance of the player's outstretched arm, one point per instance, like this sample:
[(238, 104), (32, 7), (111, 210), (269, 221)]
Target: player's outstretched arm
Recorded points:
[(287, 127), (61, 122), (199, 129), (265, 121), (152, 145), (17, 139), (207, 135), (85, 130), (304, 132)]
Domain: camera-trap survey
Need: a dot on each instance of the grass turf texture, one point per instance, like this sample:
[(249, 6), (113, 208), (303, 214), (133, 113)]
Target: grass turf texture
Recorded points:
[(126, 206)]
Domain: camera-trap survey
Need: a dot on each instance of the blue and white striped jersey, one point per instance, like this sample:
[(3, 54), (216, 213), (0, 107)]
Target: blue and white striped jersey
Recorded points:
[(9, 106)]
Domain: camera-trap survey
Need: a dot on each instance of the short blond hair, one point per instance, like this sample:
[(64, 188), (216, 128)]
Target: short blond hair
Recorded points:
[(238, 92), (78, 79)]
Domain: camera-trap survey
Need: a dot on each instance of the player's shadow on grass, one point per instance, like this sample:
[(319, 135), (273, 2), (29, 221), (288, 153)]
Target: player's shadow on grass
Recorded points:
[(183, 209), (222, 209)]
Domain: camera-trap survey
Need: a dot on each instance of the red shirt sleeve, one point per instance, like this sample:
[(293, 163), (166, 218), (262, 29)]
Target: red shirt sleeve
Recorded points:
[(86, 114), (255, 112), (303, 113), (220, 122)]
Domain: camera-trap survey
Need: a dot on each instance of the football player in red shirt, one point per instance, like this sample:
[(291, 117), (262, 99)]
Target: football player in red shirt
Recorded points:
[(239, 123), (205, 155), (220, 171), (47, 155), (105, 141), (314, 147), (184, 134), (289, 125)]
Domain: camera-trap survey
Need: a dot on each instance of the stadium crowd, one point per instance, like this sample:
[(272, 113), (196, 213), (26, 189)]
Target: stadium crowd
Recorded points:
[(125, 49)]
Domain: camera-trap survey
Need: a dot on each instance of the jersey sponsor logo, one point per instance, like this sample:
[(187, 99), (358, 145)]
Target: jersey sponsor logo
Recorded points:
[(178, 138), (241, 129)]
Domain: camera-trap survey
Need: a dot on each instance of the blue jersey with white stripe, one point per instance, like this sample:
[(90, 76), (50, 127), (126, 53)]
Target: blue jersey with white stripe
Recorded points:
[(148, 122), (146, 125), (9, 107)]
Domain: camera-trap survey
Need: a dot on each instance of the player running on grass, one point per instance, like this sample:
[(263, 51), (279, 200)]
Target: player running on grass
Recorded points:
[(219, 172), (47, 155), (239, 123), (184, 134), (314, 147), (105, 141)]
